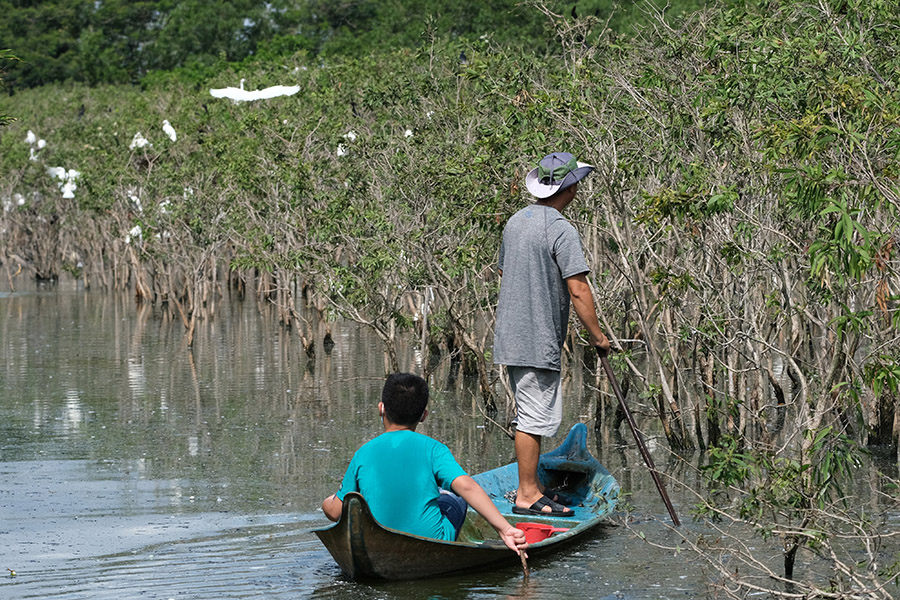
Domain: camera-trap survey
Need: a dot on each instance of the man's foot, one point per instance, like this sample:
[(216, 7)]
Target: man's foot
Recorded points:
[(558, 496), (554, 495), (544, 507)]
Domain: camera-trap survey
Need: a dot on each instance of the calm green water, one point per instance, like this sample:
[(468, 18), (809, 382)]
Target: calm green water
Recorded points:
[(134, 467)]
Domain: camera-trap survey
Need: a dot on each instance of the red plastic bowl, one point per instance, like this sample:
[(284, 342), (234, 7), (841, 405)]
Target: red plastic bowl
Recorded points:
[(538, 532)]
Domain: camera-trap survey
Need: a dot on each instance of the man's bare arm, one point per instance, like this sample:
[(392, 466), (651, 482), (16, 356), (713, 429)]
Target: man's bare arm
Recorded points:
[(583, 302)]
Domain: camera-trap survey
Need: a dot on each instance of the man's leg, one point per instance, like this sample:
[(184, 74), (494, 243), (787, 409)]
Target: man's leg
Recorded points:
[(538, 409), (528, 453)]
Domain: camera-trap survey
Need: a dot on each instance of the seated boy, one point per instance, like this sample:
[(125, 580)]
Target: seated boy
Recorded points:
[(401, 474)]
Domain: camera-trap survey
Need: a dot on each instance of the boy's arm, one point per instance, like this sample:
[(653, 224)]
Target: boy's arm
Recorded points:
[(472, 493), (332, 507)]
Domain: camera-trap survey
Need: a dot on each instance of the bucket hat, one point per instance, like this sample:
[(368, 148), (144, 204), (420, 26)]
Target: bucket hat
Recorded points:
[(555, 172)]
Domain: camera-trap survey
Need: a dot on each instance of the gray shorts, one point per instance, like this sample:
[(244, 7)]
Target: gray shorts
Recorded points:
[(538, 394)]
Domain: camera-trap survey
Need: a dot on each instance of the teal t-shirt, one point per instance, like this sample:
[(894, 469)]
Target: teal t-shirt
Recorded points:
[(400, 474)]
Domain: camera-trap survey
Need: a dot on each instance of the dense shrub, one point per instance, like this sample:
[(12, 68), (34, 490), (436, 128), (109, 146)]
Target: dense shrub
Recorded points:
[(741, 223)]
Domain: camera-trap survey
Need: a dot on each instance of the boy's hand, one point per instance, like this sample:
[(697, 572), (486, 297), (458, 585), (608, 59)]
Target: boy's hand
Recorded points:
[(514, 539)]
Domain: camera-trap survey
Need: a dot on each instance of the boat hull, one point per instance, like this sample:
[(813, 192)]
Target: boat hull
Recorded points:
[(366, 550)]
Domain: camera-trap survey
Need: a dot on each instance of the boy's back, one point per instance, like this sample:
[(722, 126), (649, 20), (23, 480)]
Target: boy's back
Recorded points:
[(400, 474)]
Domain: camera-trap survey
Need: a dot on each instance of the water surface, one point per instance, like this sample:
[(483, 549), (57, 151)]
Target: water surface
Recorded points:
[(132, 466)]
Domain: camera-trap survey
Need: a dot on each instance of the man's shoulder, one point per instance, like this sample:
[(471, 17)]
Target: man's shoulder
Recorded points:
[(534, 210), (538, 214)]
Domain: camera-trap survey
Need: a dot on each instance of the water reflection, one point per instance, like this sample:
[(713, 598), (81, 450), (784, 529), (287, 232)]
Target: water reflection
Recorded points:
[(73, 414), (136, 379)]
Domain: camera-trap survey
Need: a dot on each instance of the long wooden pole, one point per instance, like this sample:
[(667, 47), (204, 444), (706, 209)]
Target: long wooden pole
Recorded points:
[(637, 437)]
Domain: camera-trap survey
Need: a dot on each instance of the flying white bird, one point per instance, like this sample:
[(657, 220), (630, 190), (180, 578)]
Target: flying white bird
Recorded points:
[(242, 95), (169, 130)]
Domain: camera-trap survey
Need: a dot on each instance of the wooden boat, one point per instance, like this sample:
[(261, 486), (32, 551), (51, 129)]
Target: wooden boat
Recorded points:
[(366, 550)]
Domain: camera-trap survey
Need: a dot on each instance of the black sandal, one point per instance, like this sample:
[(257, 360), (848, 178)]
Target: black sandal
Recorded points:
[(556, 509), (558, 496)]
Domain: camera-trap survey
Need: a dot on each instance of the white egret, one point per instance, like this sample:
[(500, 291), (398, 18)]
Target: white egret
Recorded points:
[(135, 200), (66, 180), (169, 130), (139, 141), (134, 234), (242, 95), (31, 139), (68, 188)]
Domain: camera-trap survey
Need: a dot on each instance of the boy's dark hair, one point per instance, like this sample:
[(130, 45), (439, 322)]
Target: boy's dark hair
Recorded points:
[(405, 397)]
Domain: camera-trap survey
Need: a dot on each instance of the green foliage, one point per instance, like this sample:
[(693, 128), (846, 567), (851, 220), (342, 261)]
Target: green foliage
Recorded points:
[(6, 57), (778, 492), (742, 211), (851, 322), (117, 41), (684, 203), (734, 146), (729, 465), (883, 374)]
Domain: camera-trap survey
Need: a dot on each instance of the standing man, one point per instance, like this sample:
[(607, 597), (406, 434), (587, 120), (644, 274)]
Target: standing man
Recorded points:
[(542, 266)]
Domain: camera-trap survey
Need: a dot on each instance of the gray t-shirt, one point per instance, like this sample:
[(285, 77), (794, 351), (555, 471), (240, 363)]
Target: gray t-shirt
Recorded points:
[(539, 251)]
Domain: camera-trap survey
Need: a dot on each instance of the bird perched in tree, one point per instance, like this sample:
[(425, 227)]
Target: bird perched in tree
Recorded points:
[(169, 130)]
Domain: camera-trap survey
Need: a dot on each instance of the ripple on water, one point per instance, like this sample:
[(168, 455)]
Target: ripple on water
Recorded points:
[(275, 560)]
